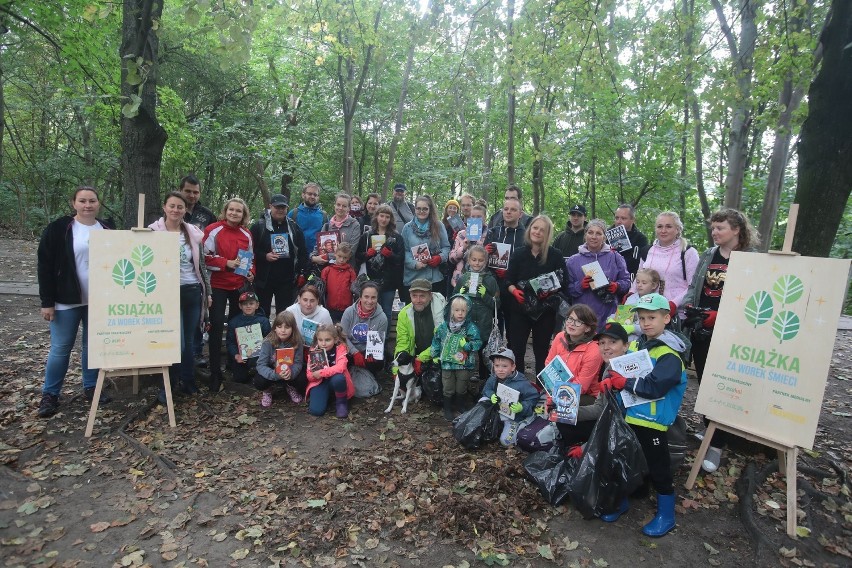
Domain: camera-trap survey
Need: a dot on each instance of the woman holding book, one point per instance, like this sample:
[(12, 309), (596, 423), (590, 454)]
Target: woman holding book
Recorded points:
[(195, 294), (347, 227), (597, 275), (426, 238), (361, 319), (382, 250), (225, 242)]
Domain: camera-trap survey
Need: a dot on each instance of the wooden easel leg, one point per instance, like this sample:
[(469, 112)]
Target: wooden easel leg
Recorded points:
[(135, 381), (169, 405), (790, 470), (90, 425), (699, 457)]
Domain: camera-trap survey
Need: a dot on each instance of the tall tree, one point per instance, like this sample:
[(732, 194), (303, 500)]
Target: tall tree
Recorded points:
[(512, 95)]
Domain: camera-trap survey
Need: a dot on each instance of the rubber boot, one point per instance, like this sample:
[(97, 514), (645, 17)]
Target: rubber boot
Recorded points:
[(341, 405), (460, 403), (612, 517), (664, 521), (448, 407)]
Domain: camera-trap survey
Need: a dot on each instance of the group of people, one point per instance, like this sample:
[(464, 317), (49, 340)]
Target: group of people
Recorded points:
[(465, 282)]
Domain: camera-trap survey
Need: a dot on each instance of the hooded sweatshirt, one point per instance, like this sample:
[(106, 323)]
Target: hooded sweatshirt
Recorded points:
[(615, 270), (482, 307), (350, 231), (338, 279), (568, 242), (446, 341), (355, 327), (667, 261)]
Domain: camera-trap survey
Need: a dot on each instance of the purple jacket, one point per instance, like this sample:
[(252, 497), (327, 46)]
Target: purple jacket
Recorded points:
[(616, 271)]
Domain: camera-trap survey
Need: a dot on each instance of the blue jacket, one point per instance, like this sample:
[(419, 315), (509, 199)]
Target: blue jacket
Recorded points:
[(440, 247), (310, 220), (528, 398), (666, 381)]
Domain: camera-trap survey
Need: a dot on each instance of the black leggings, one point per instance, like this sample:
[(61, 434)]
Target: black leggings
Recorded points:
[(542, 331), (222, 299), (655, 446)]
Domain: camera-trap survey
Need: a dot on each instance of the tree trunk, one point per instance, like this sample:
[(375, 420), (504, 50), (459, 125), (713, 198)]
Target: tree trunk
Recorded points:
[(699, 167), (825, 142), (510, 65), (142, 137), (260, 177), (487, 153), (537, 172), (403, 94), (2, 120)]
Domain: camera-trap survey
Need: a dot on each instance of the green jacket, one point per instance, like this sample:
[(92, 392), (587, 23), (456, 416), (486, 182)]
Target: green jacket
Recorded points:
[(482, 308), (405, 327)]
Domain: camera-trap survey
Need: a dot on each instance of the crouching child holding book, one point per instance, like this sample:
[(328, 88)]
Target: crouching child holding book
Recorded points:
[(281, 361), (506, 379)]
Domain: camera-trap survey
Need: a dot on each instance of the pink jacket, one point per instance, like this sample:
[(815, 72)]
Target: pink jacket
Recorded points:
[(340, 366), (584, 361), (460, 246), (667, 261)]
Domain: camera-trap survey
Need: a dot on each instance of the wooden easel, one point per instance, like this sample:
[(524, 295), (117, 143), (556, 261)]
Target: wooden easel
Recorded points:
[(134, 372), (787, 456)]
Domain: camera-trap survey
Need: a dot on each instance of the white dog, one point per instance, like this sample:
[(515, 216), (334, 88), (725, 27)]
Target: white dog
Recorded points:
[(405, 374)]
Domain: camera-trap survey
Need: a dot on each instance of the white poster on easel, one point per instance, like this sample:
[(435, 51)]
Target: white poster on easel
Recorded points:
[(772, 344), (134, 299)]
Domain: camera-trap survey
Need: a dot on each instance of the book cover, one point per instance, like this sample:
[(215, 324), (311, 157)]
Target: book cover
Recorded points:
[(281, 244), (555, 372), (284, 357), (624, 315), (421, 253), (456, 223), (617, 238), (244, 257), (545, 283), (473, 283), (451, 351), (566, 402), (376, 241), (249, 340), (474, 228), (507, 396), (633, 365), (595, 270), (309, 330), (375, 345), (317, 359), (629, 399), (327, 242), (500, 258)]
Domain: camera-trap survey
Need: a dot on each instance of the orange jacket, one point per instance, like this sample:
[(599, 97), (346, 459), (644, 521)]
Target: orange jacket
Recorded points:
[(584, 361)]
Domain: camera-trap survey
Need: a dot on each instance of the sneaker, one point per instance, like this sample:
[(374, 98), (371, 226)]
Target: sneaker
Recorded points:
[(294, 394), (266, 399), (712, 459), (48, 406), (90, 394), (216, 385)]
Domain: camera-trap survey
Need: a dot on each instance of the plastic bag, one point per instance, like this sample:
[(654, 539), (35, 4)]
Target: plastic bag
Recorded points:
[(538, 435), (477, 426), (612, 467), (551, 473), (433, 386), (364, 382)]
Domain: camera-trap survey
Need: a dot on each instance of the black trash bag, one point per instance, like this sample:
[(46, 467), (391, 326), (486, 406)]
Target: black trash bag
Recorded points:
[(551, 473), (433, 386), (477, 426), (613, 464)]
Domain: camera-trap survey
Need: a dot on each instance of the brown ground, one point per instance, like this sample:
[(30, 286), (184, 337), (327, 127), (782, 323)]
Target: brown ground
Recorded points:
[(235, 484)]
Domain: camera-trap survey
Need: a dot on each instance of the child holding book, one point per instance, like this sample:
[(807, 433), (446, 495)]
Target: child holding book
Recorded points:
[(484, 296), (284, 336), (242, 354), (647, 282), (338, 278), (328, 372), (452, 345), (504, 371), (462, 244)]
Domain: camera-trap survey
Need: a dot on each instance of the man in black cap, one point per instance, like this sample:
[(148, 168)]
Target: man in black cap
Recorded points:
[(403, 211), (280, 256), (569, 240)]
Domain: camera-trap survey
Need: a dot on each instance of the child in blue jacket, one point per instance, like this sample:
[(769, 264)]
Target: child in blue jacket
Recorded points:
[(251, 316), (504, 371)]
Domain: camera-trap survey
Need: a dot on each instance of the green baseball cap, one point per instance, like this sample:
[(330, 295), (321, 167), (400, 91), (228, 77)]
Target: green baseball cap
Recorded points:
[(652, 302)]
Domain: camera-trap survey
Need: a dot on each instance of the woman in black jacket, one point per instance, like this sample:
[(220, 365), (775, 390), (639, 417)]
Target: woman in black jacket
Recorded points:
[(63, 286), (382, 249)]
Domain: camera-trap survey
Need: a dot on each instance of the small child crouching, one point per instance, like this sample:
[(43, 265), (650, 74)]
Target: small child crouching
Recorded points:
[(285, 334), (328, 372), (453, 344), (505, 372), (243, 367)]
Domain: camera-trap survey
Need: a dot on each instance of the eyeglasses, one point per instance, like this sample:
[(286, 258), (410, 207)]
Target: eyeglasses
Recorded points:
[(573, 321), (312, 194), (422, 209)]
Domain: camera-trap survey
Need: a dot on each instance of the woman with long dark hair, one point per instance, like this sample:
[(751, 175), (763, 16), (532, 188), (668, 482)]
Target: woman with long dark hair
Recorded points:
[(382, 250), (426, 233)]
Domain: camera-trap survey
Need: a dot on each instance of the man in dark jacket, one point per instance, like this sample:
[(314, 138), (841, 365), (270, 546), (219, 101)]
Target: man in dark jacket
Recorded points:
[(280, 256), (509, 231), (512, 192), (569, 240), (625, 215), (196, 214)]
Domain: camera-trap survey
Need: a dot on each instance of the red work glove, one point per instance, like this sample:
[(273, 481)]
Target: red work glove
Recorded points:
[(434, 261), (371, 252), (575, 452), (519, 295), (500, 273), (612, 288), (300, 281), (358, 359), (672, 308), (490, 248), (370, 359), (418, 367), (586, 283), (710, 319), (386, 252), (613, 381)]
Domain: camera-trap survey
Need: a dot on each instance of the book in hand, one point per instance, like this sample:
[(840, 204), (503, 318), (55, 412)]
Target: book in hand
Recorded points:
[(244, 258), (317, 359), (281, 244), (632, 365), (456, 223), (249, 340), (474, 228), (617, 238), (375, 345), (451, 351), (624, 315), (327, 242), (421, 253), (473, 283), (595, 270), (507, 396), (376, 241), (555, 372), (284, 357), (566, 402), (500, 258), (309, 330), (545, 283)]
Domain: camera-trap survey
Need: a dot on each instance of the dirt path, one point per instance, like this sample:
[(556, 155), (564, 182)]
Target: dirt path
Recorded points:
[(235, 484)]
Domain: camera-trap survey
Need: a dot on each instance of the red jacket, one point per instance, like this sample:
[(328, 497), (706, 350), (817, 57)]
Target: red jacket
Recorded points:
[(222, 242), (338, 279), (584, 361), (339, 367)]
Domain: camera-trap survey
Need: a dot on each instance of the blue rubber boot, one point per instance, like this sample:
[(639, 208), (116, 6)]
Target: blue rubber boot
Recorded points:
[(664, 521), (612, 517)]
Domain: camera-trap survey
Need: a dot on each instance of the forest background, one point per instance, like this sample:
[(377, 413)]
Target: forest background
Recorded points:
[(680, 104)]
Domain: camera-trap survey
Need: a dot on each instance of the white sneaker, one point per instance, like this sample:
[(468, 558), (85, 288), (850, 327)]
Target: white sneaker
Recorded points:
[(711, 459)]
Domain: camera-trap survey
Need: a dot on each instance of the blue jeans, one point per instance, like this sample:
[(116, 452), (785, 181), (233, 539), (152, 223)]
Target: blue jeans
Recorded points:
[(386, 302), (319, 395), (63, 334), (190, 321)]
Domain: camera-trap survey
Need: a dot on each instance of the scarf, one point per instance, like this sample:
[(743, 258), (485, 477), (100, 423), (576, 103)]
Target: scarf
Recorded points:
[(571, 345), (333, 223), (455, 326), (421, 228), (361, 313)]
